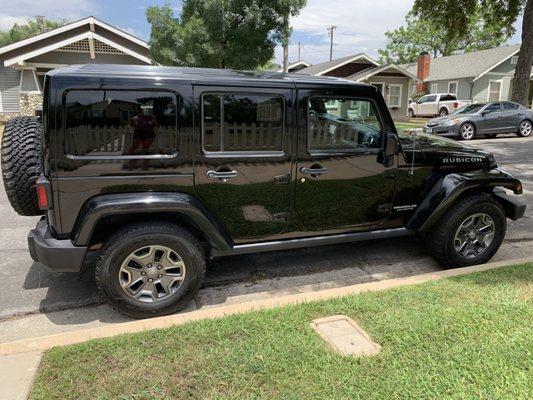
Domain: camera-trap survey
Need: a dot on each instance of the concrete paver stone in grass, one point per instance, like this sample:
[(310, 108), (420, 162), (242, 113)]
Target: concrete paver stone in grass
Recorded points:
[(345, 336)]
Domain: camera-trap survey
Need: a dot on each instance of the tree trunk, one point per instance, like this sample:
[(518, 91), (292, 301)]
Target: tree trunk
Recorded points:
[(525, 58)]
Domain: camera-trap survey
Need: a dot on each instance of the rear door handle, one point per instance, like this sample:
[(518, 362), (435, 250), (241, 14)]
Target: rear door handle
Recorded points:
[(313, 171), (221, 175)]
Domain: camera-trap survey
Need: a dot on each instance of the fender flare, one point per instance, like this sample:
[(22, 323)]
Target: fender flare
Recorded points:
[(182, 204), (450, 187)]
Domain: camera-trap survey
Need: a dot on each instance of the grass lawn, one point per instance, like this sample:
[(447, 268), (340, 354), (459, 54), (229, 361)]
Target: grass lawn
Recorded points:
[(411, 124), (461, 338)]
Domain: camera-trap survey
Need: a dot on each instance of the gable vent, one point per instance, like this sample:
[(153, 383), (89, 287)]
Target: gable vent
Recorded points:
[(82, 46)]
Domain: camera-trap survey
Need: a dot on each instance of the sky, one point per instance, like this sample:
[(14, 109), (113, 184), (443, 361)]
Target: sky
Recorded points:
[(361, 24)]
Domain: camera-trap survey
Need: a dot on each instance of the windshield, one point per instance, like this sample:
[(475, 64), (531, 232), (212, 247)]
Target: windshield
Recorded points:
[(470, 109)]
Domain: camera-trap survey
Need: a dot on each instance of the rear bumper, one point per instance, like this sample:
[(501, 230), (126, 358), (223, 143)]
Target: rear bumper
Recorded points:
[(55, 254)]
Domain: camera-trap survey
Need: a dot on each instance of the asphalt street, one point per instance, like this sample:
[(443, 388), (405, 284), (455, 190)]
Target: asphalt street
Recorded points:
[(27, 287)]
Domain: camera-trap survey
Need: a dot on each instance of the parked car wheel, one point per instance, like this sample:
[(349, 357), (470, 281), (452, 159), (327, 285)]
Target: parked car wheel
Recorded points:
[(525, 128), (150, 269), (467, 131), (411, 113), (443, 112), (469, 233)]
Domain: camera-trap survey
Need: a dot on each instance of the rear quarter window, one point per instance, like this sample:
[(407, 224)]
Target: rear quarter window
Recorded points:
[(112, 123)]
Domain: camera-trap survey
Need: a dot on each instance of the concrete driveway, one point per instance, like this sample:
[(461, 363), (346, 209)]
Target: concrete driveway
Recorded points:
[(28, 288)]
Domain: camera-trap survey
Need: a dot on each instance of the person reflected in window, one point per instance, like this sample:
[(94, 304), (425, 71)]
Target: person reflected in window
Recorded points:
[(144, 130)]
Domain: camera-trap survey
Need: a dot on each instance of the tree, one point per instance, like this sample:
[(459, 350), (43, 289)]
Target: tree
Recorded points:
[(452, 16), (426, 35), (238, 34), (31, 28)]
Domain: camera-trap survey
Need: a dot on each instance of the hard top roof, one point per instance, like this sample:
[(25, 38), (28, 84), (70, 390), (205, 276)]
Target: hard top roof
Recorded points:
[(194, 75)]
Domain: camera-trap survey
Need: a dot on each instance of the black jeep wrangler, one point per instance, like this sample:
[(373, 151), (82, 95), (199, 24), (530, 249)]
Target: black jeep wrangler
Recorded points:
[(151, 171)]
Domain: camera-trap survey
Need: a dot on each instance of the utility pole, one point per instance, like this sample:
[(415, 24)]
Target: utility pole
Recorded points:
[(330, 33), (40, 20), (299, 58)]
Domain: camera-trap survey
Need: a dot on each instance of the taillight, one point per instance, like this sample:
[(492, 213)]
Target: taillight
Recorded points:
[(455, 104), (44, 193)]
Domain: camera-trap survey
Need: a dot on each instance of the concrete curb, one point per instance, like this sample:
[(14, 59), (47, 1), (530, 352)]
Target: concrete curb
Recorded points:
[(63, 339)]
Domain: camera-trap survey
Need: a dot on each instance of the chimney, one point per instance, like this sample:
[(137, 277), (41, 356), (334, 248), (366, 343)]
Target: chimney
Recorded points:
[(424, 62)]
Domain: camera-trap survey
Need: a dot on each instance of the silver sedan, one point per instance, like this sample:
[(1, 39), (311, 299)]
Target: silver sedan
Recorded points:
[(483, 119)]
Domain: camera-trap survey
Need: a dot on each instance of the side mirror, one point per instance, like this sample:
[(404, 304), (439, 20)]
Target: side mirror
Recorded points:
[(390, 149), (486, 112)]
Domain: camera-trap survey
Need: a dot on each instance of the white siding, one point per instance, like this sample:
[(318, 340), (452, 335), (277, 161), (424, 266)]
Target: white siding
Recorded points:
[(9, 89)]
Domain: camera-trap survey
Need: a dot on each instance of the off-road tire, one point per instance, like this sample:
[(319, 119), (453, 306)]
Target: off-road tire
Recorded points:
[(440, 239), (130, 238), (22, 158)]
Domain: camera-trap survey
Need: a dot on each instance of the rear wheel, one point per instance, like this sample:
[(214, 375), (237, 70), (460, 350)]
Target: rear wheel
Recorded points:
[(443, 112), (467, 131), (469, 233), (411, 113), (525, 128), (150, 269)]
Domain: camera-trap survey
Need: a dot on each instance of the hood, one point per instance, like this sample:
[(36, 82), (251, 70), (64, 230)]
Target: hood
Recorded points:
[(441, 120), (439, 151)]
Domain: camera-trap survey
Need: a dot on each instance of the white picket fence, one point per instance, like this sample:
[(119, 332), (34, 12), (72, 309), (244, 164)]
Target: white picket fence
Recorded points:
[(244, 137), (333, 136), (94, 140)]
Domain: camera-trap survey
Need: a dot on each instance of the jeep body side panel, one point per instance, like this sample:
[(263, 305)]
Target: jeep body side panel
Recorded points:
[(76, 179), (178, 204), (449, 187)]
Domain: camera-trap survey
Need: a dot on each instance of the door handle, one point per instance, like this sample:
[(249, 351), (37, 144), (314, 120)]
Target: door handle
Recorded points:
[(313, 171), (221, 175)]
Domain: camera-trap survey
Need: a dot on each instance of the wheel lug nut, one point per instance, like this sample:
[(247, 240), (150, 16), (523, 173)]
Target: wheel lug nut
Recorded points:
[(143, 273), (159, 267), (150, 279), (160, 276)]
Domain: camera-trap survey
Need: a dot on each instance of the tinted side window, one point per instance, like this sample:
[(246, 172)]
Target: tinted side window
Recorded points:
[(120, 123), (342, 124), (494, 107), (510, 106), (431, 99), (448, 97), (242, 122)]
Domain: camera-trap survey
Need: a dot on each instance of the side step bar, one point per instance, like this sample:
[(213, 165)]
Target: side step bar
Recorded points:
[(311, 241)]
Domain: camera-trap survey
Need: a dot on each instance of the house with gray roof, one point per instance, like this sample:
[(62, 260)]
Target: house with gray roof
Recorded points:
[(485, 75), (24, 64)]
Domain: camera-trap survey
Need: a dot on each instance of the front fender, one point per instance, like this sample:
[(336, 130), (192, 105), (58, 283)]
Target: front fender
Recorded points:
[(180, 204), (450, 187)]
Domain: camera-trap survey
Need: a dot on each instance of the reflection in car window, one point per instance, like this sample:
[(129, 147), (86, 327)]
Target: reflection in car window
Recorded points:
[(119, 123), (340, 123), (510, 106), (494, 107), (470, 109)]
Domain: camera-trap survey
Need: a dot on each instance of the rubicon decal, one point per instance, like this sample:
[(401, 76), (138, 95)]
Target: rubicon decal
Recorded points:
[(453, 160)]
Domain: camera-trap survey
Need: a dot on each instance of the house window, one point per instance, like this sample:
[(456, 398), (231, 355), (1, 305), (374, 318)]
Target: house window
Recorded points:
[(395, 95), (434, 88), (452, 87), (495, 88), (115, 123), (242, 122), (514, 60)]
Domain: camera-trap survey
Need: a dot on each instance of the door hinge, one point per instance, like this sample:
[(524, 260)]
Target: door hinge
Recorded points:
[(282, 179), (279, 217)]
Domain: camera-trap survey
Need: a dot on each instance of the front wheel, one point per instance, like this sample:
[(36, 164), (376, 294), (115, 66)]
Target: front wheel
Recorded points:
[(150, 269), (411, 113), (525, 128), (469, 233), (467, 131)]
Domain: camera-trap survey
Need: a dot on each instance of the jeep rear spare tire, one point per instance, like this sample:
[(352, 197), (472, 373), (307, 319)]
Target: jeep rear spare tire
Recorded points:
[(22, 162)]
